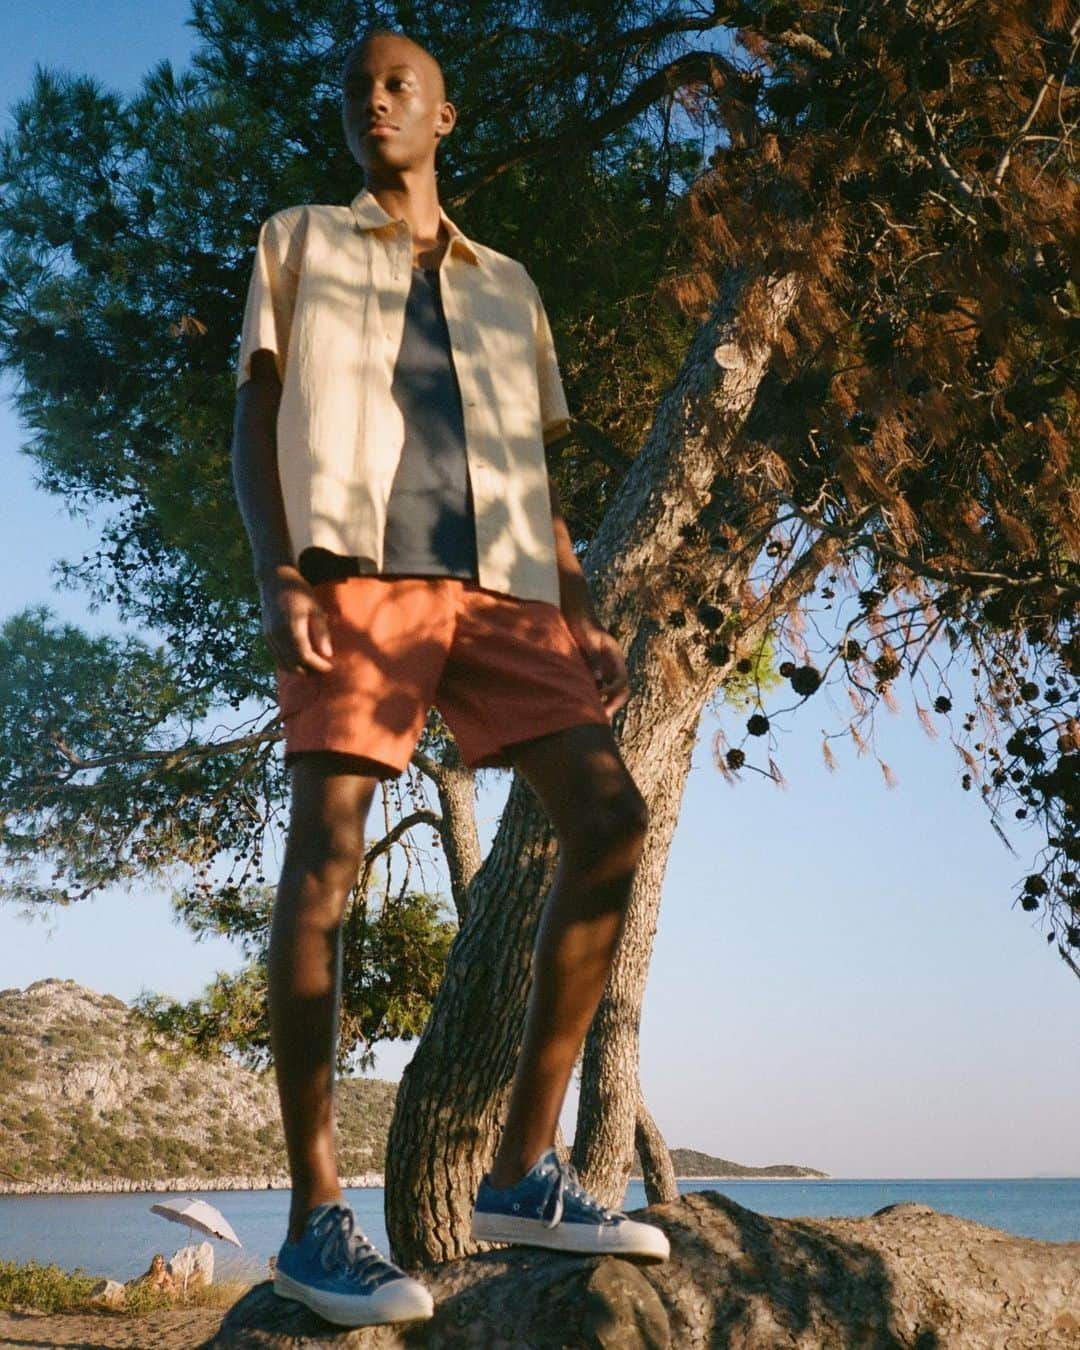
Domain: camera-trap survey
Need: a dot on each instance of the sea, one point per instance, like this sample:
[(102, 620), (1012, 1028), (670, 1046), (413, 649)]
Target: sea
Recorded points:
[(116, 1235)]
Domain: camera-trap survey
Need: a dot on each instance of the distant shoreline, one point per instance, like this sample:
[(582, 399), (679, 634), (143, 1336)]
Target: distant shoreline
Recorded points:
[(366, 1181), (376, 1181)]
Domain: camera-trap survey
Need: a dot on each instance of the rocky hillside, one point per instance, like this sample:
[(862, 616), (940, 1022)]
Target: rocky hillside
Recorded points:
[(91, 1099), (689, 1163)]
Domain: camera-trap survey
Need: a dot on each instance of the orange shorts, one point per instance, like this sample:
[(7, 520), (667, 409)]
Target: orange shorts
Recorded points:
[(499, 668)]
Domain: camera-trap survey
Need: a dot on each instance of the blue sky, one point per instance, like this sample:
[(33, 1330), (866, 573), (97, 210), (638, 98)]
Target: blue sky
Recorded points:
[(840, 978)]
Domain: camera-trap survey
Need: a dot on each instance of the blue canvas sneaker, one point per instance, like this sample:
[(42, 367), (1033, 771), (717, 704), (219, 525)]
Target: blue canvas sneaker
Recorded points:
[(548, 1207), (336, 1272)]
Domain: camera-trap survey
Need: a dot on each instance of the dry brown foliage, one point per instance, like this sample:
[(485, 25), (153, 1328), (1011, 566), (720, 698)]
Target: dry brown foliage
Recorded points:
[(915, 166)]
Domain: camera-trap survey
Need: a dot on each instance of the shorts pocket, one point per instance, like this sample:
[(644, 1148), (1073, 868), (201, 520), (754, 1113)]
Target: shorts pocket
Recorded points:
[(295, 691)]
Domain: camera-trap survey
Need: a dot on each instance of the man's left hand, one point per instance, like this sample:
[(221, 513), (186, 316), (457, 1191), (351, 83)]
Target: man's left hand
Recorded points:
[(605, 659)]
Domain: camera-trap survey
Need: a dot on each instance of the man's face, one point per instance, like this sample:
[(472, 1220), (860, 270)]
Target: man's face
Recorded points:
[(393, 108)]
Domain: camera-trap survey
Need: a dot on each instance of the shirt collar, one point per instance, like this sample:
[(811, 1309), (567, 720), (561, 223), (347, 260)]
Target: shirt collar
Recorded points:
[(369, 215)]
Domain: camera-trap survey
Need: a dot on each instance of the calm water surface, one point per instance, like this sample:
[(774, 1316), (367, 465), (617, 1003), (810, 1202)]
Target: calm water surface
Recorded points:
[(116, 1235)]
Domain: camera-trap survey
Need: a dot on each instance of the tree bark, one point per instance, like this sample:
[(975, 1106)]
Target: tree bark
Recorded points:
[(610, 1094), (675, 681), (451, 1100), (657, 1169), (455, 784), (453, 1093)]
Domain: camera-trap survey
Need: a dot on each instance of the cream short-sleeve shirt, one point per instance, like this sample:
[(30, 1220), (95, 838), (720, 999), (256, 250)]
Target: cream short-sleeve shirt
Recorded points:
[(327, 297)]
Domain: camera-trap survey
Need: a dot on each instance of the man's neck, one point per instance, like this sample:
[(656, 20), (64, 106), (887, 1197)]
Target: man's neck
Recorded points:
[(415, 201)]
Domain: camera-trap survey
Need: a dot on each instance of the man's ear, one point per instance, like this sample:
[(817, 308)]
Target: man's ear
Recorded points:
[(447, 119)]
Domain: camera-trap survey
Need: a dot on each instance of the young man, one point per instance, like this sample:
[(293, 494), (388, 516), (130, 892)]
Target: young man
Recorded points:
[(397, 384)]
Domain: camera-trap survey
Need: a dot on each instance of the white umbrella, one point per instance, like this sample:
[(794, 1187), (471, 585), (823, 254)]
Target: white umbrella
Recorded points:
[(197, 1215)]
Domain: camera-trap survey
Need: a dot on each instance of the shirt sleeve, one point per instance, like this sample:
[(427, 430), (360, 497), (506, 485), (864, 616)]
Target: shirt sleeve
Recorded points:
[(554, 414), (270, 299)]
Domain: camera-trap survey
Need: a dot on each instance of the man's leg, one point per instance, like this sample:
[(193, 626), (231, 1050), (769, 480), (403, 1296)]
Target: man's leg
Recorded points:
[(331, 795), (600, 818)]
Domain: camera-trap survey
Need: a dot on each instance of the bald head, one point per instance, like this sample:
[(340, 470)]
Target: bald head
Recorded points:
[(394, 109), (410, 50)]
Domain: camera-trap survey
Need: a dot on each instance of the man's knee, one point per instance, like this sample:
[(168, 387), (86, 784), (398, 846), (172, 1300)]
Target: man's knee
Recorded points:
[(326, 845), (611, 823)]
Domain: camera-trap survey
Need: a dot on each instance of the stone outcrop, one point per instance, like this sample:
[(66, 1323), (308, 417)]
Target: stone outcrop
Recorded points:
[(108, 1293), (905, 1278), (192, 1265)]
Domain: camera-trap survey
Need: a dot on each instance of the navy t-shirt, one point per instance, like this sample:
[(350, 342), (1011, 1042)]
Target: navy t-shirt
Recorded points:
[(430, 522)]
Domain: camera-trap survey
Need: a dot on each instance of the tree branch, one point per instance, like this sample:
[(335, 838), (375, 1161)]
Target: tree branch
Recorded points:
[(1036, 104), (577, 134), (165, 759), (391, 837)]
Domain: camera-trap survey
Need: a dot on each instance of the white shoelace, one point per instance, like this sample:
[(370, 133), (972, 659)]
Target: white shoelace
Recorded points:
[(567, 1182), (344, 1247)]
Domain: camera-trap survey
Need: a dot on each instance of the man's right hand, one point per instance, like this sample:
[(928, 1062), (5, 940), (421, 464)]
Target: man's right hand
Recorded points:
[(294, 623)]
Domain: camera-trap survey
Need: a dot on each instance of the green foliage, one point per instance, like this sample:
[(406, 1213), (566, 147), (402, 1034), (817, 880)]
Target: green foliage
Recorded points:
[(46, 1288), (394, 956), (394, 960), (50, 1289), (15, 1064), (363, 1108), (751, 678), (121, 291), (70, 706), (141, 1299)]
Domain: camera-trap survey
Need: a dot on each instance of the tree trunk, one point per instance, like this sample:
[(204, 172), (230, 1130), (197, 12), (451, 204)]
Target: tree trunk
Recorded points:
[(456, 786), (452, 1096), (608, 1101), (657, 743), (657, 1169), (451, 1101)]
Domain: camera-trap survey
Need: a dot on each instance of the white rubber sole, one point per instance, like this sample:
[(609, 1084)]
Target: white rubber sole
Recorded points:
[(625, 1239), (396, 1301)]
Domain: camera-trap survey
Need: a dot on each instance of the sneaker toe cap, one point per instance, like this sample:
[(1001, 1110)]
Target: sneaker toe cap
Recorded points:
[(647, 1238), (403, 1298)]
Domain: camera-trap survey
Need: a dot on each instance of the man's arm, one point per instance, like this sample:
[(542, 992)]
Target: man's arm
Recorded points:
[(294, 624), (574, 598), (601, 651), (254, 465)]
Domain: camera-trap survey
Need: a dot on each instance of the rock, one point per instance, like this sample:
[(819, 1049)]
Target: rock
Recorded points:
[(108, 1294), (904, 1207), (622, 1310), (195, 1265), (103, 1087), (906, 1278)]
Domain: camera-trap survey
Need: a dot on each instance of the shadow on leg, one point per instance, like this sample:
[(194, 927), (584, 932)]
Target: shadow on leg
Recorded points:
[(600, 819), (331, 796)]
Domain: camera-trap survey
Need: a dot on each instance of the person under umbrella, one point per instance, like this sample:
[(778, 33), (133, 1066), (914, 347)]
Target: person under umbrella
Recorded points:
[(199, 1216)]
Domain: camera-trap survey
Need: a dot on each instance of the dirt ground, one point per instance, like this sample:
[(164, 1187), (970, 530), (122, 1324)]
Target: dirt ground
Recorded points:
[(172, 1329)]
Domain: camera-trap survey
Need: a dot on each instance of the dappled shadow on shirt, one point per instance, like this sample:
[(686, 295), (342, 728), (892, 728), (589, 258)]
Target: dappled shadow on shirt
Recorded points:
[(342, 349)]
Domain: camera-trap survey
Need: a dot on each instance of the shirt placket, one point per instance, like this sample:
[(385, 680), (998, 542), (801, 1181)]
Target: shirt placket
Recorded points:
[(396, 268)]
